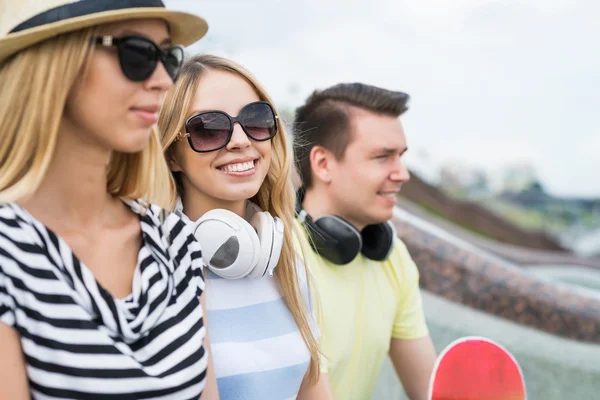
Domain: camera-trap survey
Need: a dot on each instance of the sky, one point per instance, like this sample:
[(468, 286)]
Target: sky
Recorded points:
[(492, 83)]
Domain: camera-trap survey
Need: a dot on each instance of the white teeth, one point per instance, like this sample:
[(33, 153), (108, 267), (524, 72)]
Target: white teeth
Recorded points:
[(240, 167), (390, 195)]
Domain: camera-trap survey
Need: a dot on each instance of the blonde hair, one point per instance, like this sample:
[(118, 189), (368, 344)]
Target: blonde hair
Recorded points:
[(276, 194), (34, 87)]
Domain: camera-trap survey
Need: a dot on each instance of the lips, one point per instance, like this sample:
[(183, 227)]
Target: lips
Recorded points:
[(389, 197), (151, 108), (147, 113), (389, 194)]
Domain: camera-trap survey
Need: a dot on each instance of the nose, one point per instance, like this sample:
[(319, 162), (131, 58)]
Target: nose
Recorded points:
[(399, 172), (160, 80), (239, 139)]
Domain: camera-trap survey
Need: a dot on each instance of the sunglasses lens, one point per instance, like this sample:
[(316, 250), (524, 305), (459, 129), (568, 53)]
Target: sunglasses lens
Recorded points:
[(258, 120), (138, 58), (172, 60), (209, 131)]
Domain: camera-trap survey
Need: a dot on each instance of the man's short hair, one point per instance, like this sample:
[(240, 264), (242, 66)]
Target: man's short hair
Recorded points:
[(324, 120)]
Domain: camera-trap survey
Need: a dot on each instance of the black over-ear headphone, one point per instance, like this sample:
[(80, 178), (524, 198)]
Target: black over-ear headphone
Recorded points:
[(339, 241)]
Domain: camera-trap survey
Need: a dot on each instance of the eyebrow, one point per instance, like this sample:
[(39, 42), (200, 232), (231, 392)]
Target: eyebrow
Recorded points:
[(166, 41), (389, 150)]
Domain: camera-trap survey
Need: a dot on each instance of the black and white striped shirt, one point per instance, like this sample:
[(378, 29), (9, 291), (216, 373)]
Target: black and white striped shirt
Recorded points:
[(78, 340)]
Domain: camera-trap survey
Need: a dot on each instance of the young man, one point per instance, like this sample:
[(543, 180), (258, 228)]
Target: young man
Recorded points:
[(349, 145)]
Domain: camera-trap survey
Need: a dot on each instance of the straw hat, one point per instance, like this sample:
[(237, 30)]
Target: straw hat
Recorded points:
[(24, 23)]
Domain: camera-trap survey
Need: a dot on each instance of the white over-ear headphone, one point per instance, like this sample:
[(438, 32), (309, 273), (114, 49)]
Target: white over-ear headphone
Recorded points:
[(233, 247)]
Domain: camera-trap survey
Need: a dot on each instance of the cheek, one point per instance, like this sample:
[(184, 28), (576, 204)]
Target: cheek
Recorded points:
[(106, 90), (377, 172), (198, 169), (354, 175), (195, 165), (360, 179), (265, 150)]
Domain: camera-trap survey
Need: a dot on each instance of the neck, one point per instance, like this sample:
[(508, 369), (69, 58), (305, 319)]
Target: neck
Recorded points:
[(73, 191), (317, 203), (196, 204)]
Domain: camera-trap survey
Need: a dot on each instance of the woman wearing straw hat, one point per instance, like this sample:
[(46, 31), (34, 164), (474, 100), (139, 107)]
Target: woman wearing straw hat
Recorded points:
[(98, 291)]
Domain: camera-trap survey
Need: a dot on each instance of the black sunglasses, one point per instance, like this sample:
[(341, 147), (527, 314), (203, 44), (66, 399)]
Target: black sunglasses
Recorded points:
[(212, 130), (139, 56)]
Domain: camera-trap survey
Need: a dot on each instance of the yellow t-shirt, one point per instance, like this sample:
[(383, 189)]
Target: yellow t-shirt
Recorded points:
[(360, 307)]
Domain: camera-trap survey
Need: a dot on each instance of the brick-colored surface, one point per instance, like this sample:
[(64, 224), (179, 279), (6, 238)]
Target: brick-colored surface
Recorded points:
[(486, 282)]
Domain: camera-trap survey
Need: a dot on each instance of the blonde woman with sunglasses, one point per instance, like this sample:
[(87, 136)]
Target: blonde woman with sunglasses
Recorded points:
[(99, 295), (231, 166)]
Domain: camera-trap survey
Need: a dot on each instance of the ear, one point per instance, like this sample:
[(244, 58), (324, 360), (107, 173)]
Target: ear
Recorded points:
[(320, 163), (172, 160)]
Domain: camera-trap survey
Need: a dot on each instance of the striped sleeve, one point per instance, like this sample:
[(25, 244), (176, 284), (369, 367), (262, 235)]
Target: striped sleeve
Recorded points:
[(197, 266), (7, 315), (181, 236)]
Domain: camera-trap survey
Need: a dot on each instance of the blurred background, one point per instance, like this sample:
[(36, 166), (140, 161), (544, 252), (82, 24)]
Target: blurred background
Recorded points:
[(504, 145)]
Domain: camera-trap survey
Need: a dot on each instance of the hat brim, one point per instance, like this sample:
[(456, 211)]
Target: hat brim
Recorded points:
[(185, 28)]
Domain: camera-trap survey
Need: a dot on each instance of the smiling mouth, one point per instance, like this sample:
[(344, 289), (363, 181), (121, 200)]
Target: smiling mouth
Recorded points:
[(389, 195), (238, 167)]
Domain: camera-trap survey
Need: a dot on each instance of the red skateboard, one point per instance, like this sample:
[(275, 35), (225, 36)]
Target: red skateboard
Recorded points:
[(476, 368)]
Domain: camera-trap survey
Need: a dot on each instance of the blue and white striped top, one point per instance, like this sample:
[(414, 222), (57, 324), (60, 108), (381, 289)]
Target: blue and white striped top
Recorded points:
[(258, 351)]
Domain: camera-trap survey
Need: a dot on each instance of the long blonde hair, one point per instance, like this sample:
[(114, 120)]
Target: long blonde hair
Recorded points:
[(276, 194), (34, 87)]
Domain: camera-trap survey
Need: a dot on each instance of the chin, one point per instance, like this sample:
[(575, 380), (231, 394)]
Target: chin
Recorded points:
[(240, 194), (135, 143), (382, 216)]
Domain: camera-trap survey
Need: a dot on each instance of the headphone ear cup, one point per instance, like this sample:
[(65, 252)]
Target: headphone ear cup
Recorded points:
[(378, 240), (263, 224), (228, 243), (340, 242), (278, 231)]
